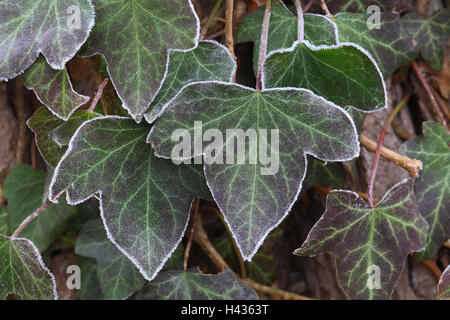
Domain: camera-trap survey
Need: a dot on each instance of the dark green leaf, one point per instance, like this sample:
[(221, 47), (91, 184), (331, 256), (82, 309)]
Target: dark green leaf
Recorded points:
[(327, 174), (22, 271), (390, 46), (64, 132), (90, 287), (117, 275), (3, 221), (145, 200), (135, 38), (429, 34), (24, 190), (319, 30), (208, 62), (432, 188), (193, 285), (28, 27), (371, 244), (54, 89), (255, 198), (360, 5), (344, 74)]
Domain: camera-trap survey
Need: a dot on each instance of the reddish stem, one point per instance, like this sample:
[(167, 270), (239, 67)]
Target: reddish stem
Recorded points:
[(30, 218), (307, 6), (434, 103), (98, 95), (263, 46)]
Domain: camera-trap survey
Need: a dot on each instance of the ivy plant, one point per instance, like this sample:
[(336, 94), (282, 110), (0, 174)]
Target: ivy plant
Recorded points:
[(128, 190)]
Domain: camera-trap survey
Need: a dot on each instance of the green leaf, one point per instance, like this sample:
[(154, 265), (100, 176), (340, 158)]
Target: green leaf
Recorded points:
[(3, 220), (208, 62), (135, 38), (193, 285), (389, 45), (444, 284), (23, 272), (117, 275), (176, 260), (42, 122), (360, 5), (144, 200), (52, 135), (30, 27), (90, 287), (345, 74), (254, 198), (319, 30), (432, 188), (54, 89), (24, 190), (429, 34), (327, 174), (371, 244)]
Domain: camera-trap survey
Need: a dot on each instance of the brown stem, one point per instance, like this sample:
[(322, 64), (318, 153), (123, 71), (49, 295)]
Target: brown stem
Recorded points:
[(263, 45), (434, 103), (373, 173), (411, 165), (431, 265), (191, 233), (211, 17), (201, 238), (98, 94), (307, 6), (325, 10), (229, 27), (18, 101), (327, 191), (30, 218)]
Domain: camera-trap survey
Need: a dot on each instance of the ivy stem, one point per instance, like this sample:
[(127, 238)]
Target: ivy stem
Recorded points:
[(201, 238), (263, 45), (373, 173), (31, 217), (191, 234), (99, 93), (434, 103), (300, 22), (307, 6), (411, 165), (210, 19), (229, 27), (324, 6)]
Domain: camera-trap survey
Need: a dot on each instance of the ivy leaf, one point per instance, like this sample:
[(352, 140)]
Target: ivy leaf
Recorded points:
[(52, 134), (361, 5), (90, 287), (135, 38), (3, 220), (255, 198), (327, 174), (432, 188), (368, 242), (30, 27), (429, 34), (23, 272), (144, 201), (208, 62), (54, 89), (444, 284), (319, 30), (24, 190), (345, 74), (193, 285), (388, 45), (117, 275)]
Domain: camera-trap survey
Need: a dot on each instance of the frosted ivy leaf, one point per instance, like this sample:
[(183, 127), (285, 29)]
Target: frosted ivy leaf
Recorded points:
[(255, 196), (55, 28), (144, 200), (370, 244)]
